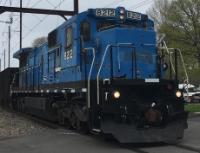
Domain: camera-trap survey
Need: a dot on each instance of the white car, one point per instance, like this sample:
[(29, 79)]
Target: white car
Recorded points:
[(189, 91)]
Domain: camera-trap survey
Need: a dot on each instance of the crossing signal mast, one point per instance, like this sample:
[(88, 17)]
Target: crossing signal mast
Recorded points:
[(21, 10)]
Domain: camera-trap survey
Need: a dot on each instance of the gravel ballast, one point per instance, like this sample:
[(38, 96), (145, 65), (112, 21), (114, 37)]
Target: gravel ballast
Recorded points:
[(12, 125)]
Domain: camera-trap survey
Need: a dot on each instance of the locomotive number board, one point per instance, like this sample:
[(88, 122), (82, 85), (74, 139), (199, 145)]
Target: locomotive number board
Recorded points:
[(105, 12), (133, 15)]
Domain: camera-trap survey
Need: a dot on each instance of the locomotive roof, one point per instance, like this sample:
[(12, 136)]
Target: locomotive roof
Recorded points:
[(98, 13), (106, 13), (22, 52)]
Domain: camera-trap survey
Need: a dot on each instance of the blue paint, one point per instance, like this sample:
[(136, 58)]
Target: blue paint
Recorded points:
[(43, 67)]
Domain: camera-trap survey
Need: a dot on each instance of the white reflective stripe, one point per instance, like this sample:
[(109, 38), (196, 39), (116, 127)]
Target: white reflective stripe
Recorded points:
[(63, 91), (96, 130), (72, 90), (84, 90), (57, 69), (152, 80)]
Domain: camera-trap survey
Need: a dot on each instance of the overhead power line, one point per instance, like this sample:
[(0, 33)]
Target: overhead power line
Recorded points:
[(5, 2), (140, 4), (35, 4), (41, 20), (50, 3), (27, 4), (114, 2)]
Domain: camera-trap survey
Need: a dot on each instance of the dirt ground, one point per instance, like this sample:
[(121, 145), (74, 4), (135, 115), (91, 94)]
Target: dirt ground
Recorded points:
[(12, 125)]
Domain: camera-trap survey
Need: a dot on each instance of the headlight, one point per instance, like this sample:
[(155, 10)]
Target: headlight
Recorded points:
[(116, 94), (178, 94), (122, 17), (122, 11)]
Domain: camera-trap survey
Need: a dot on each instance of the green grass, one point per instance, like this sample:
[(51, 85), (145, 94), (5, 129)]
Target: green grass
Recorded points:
[(192, 107)]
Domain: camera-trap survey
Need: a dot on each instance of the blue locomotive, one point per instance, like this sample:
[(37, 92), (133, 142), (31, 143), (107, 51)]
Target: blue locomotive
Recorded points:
[(101, 71)]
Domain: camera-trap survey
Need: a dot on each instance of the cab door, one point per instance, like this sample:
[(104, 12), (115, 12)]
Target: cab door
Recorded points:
[(30, 73), (51, 66)]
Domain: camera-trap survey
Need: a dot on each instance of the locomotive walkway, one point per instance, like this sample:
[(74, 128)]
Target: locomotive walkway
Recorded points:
[(66, 141)]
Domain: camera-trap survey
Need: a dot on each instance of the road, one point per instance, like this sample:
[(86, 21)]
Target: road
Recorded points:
[(65, 141)]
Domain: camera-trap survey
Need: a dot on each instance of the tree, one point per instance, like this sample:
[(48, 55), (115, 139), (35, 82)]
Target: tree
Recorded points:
[(180, 21), (39, 41), (158, 12)]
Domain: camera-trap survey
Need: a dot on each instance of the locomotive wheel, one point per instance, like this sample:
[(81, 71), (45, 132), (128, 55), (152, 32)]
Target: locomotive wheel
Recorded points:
[(108, 137), (84, 128), (19, 106), (61, 119), (74, 121)]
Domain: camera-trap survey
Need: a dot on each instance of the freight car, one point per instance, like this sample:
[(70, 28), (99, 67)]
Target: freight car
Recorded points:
[(102, 71), (6, 78)]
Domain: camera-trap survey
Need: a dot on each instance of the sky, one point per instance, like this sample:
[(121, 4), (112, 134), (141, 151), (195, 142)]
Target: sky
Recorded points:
[(35, 26)]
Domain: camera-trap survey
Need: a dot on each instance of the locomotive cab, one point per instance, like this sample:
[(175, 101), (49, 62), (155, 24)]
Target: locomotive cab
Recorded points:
[(129, 92)]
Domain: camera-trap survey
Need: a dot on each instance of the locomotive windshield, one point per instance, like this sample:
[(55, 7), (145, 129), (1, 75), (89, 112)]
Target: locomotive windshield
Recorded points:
[(103, 25), (109, 18)]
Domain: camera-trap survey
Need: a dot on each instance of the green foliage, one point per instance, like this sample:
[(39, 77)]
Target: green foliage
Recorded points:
[(39, 41), (179, 20), (192, 107)]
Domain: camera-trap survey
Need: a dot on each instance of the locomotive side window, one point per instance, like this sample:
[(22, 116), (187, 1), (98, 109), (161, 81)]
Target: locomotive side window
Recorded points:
[(58, 57), (85, 30), (22, 62), (51, 62), (68, 42), (68, 37), (42, 65)]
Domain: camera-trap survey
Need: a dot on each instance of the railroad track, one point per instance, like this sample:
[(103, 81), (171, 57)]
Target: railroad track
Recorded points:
[(185, 147), (137, 148), (143, 148), (43, 122)]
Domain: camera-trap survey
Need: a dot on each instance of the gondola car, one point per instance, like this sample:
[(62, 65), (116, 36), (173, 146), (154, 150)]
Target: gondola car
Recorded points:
[(101, 71)]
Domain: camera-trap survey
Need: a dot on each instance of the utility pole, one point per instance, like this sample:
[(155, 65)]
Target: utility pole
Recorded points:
[(21, 10), (20, 26), (0, 64), (9, 39), (4, 60)]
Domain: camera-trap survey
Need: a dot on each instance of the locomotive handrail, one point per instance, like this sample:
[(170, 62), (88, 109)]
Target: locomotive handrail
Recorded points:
[(103, 59), (170, 59), (183, 63), (89, 75), (182, 60), (98, 73)]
